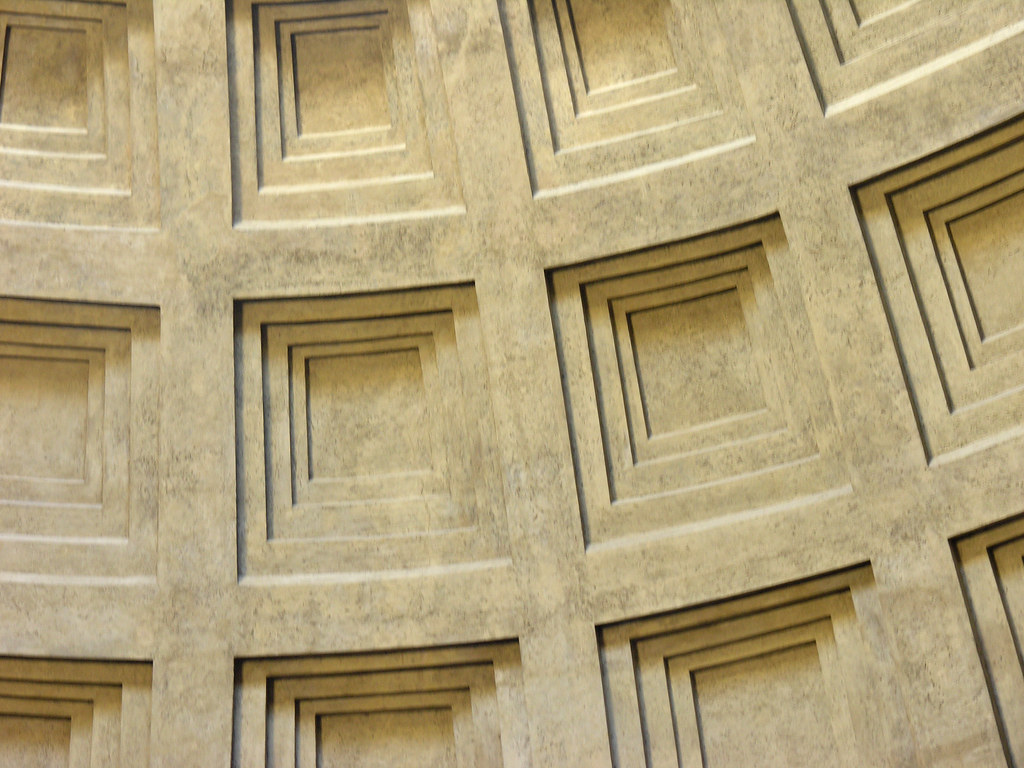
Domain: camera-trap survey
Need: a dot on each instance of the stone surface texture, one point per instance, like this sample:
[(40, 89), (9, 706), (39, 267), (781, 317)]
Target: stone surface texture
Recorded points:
[(612, 383)]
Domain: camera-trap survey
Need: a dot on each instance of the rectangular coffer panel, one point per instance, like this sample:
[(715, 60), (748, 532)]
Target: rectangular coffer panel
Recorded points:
[(365, 433), (445, 707), (78, 134), (339, 112), (946, 238), (79, 406), (609, 90), (794, 675), (691, 389)]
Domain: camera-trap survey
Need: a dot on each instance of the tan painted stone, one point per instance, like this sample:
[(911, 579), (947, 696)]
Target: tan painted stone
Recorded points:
[(511, 383)]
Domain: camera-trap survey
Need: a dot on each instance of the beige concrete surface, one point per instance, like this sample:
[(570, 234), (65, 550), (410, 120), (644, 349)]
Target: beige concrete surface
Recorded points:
[(511, 383)]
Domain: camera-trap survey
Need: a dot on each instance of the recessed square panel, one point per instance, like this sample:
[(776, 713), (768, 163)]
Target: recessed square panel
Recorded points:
[(352, 400), (47, 398), (946, 239), (442, 708), (45, 83), (52, 85), (78, 112), (607, 88), (368, 434), (339, 80), (693, 363), (78, 415), (857, 50), (688, 397), (52, 414), (341, 112), (785, 677), (348, 401), (343, 69)]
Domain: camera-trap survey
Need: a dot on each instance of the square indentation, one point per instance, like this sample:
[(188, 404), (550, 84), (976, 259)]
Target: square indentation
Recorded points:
[(606, 88), (339, 81), (374, 430), (439, 708), (684, 384), (860, 49), (77, 112), (335, 99), (45, 83), (52, 86), (342, 68), (47, 399), (947, 243), (78, 416), (693, 361), (364, 409), (352, 399), (791, 667)]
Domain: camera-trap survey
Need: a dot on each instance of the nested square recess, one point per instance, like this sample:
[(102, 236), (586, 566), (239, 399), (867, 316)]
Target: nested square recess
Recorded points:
[(367, 439), (690, 389), (78, 415), (444, 708), (793, 675), (606, 89), (339, 111), (78, 112), (946, 238)]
